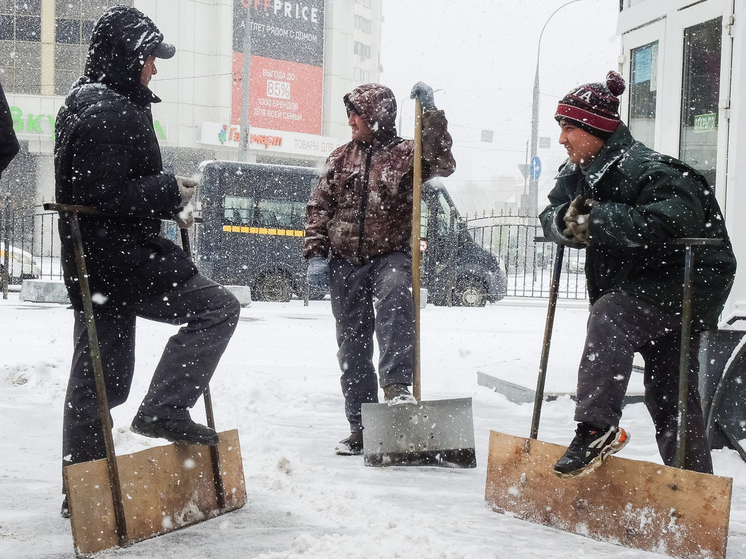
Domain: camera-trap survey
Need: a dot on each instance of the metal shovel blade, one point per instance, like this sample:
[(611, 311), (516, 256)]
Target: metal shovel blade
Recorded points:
[(430, 433)]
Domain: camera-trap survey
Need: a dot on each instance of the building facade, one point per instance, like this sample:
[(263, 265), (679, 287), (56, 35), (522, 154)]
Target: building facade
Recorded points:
[(305, 55), (684, 62)]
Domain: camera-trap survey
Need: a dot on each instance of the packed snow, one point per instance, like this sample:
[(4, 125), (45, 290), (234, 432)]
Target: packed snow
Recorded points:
[(278, 385)]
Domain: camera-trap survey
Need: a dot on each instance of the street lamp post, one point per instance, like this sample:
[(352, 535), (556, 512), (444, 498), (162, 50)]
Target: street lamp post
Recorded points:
[(533, 185)]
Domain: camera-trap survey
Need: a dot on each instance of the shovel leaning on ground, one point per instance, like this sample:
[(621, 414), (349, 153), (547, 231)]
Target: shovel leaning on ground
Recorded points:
[(632, 503), (118, 501), (429, 433)]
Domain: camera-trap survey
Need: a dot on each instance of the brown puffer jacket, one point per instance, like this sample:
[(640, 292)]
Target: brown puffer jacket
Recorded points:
[(362, 205)]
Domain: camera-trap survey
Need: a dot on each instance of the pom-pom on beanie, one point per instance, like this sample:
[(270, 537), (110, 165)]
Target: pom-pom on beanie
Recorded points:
[(594, 107)]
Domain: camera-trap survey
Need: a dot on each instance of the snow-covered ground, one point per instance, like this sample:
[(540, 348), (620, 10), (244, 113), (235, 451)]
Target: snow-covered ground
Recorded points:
[(278, 384)]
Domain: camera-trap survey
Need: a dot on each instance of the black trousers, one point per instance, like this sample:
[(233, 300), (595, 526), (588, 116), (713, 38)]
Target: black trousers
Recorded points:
[(209, 313), (373, 298), (619, 326)]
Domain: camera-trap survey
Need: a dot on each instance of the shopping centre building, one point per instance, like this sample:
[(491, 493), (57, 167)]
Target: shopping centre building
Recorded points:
[(305, 55)]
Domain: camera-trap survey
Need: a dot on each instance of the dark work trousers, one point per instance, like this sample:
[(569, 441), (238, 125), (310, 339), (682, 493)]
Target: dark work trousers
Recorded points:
[(209, 313), (620, 325), (386, 283)]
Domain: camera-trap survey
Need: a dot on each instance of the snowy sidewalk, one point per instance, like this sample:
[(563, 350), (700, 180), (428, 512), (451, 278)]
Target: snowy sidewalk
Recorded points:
[(278, 384)]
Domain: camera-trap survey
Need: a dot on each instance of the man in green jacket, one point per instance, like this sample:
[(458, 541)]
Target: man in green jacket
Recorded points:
[(624, 203)]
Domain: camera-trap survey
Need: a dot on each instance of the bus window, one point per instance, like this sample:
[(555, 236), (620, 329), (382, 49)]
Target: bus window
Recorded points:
[(275, 214)]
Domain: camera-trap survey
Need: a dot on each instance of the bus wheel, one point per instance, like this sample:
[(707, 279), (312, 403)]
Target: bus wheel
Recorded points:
[(274, 286), (470, 293)]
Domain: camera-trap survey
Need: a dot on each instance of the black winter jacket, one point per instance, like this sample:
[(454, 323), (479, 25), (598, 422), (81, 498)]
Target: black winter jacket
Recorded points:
[(644, 200), (8, 141), (107, 156)]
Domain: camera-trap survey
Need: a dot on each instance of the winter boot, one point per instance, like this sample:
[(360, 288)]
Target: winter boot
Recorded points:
[(174, 430), (398, 394), (65, 509), (589, 449), (352, 445)]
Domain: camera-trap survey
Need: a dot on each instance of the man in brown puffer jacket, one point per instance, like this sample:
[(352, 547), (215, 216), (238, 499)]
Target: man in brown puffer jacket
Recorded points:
[(358, 242)]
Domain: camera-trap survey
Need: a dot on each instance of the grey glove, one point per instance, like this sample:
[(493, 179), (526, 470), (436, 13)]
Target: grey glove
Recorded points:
[(186, 189), (185, 216), (317, 274), (424, 93), (577, 218)]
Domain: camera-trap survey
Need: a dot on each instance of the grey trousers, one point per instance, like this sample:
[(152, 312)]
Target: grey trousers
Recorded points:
[(209, 313), (373, 298), (620, 325)]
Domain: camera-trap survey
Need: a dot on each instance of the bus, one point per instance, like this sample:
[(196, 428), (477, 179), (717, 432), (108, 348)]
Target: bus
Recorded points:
[(252, 233)]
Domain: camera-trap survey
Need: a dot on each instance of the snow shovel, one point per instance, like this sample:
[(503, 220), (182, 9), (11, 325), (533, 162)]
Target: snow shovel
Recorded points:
[(429, 433), (117, 501), (632, 503)]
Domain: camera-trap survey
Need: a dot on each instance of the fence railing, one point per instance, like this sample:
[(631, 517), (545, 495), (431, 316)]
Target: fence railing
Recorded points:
[(31, 243), (527, 260)]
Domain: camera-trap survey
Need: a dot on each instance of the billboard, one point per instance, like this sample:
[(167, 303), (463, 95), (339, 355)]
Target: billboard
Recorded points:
[(287, 57)]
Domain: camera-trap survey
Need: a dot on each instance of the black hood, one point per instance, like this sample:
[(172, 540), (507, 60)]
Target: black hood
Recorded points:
[(121, 42)]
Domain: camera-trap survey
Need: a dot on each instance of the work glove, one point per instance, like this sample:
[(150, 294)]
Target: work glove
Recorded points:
[(576, 220), (184, 218), (186, 189), (317, 274), (424, 93)]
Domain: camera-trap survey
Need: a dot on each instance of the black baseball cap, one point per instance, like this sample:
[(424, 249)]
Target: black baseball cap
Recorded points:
[(164, 50)]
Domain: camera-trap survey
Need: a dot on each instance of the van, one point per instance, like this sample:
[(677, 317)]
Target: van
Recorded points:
[(252, 232)]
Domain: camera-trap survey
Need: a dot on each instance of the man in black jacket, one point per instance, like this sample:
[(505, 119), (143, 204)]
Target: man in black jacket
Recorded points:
[(8, 141), (625, 205), (107, 157)]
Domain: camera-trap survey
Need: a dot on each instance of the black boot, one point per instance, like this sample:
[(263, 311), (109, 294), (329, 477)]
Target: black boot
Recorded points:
[(398, 394), (352, 445), (174, 430)]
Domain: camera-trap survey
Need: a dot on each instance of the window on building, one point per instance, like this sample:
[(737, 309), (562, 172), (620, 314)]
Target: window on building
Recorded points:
[(74, 24), (361, 76), (366, 3), (700, 97), (20, 46), (364, 24), (362, 50), (643, 93)]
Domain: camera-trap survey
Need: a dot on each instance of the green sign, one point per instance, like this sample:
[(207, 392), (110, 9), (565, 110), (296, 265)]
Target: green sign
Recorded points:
[(30, 123), (706, 122)]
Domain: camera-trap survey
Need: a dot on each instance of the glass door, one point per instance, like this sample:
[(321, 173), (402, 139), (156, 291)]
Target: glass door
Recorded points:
[(643, 92), (698, 139)]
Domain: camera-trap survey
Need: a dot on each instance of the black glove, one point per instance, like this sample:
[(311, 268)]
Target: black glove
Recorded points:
[(317, 274), (424, 93)]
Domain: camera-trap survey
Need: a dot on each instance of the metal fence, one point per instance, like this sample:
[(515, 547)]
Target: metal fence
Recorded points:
[(30, 246), (527, 259)]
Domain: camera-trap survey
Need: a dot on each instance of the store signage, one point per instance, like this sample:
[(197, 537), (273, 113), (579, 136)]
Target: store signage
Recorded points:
[(286, 67), (706, 122), (279, 141)]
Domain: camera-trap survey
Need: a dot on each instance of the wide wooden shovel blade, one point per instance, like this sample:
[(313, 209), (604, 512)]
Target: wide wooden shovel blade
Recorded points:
[(429, 433), (626, 502), (164, 488)]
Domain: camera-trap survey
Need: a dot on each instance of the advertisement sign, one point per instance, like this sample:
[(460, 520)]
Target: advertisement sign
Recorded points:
[(214, 133), (287, 53)]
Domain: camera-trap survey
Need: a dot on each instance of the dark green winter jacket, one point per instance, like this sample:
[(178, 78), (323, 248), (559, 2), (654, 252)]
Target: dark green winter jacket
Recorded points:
[(644, 200)]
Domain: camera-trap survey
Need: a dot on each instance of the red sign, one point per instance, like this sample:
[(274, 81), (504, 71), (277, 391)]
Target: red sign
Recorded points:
[(282, 95)]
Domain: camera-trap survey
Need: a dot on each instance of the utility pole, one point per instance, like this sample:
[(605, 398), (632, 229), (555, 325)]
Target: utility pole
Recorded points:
[(245, 128), (533, 185)]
